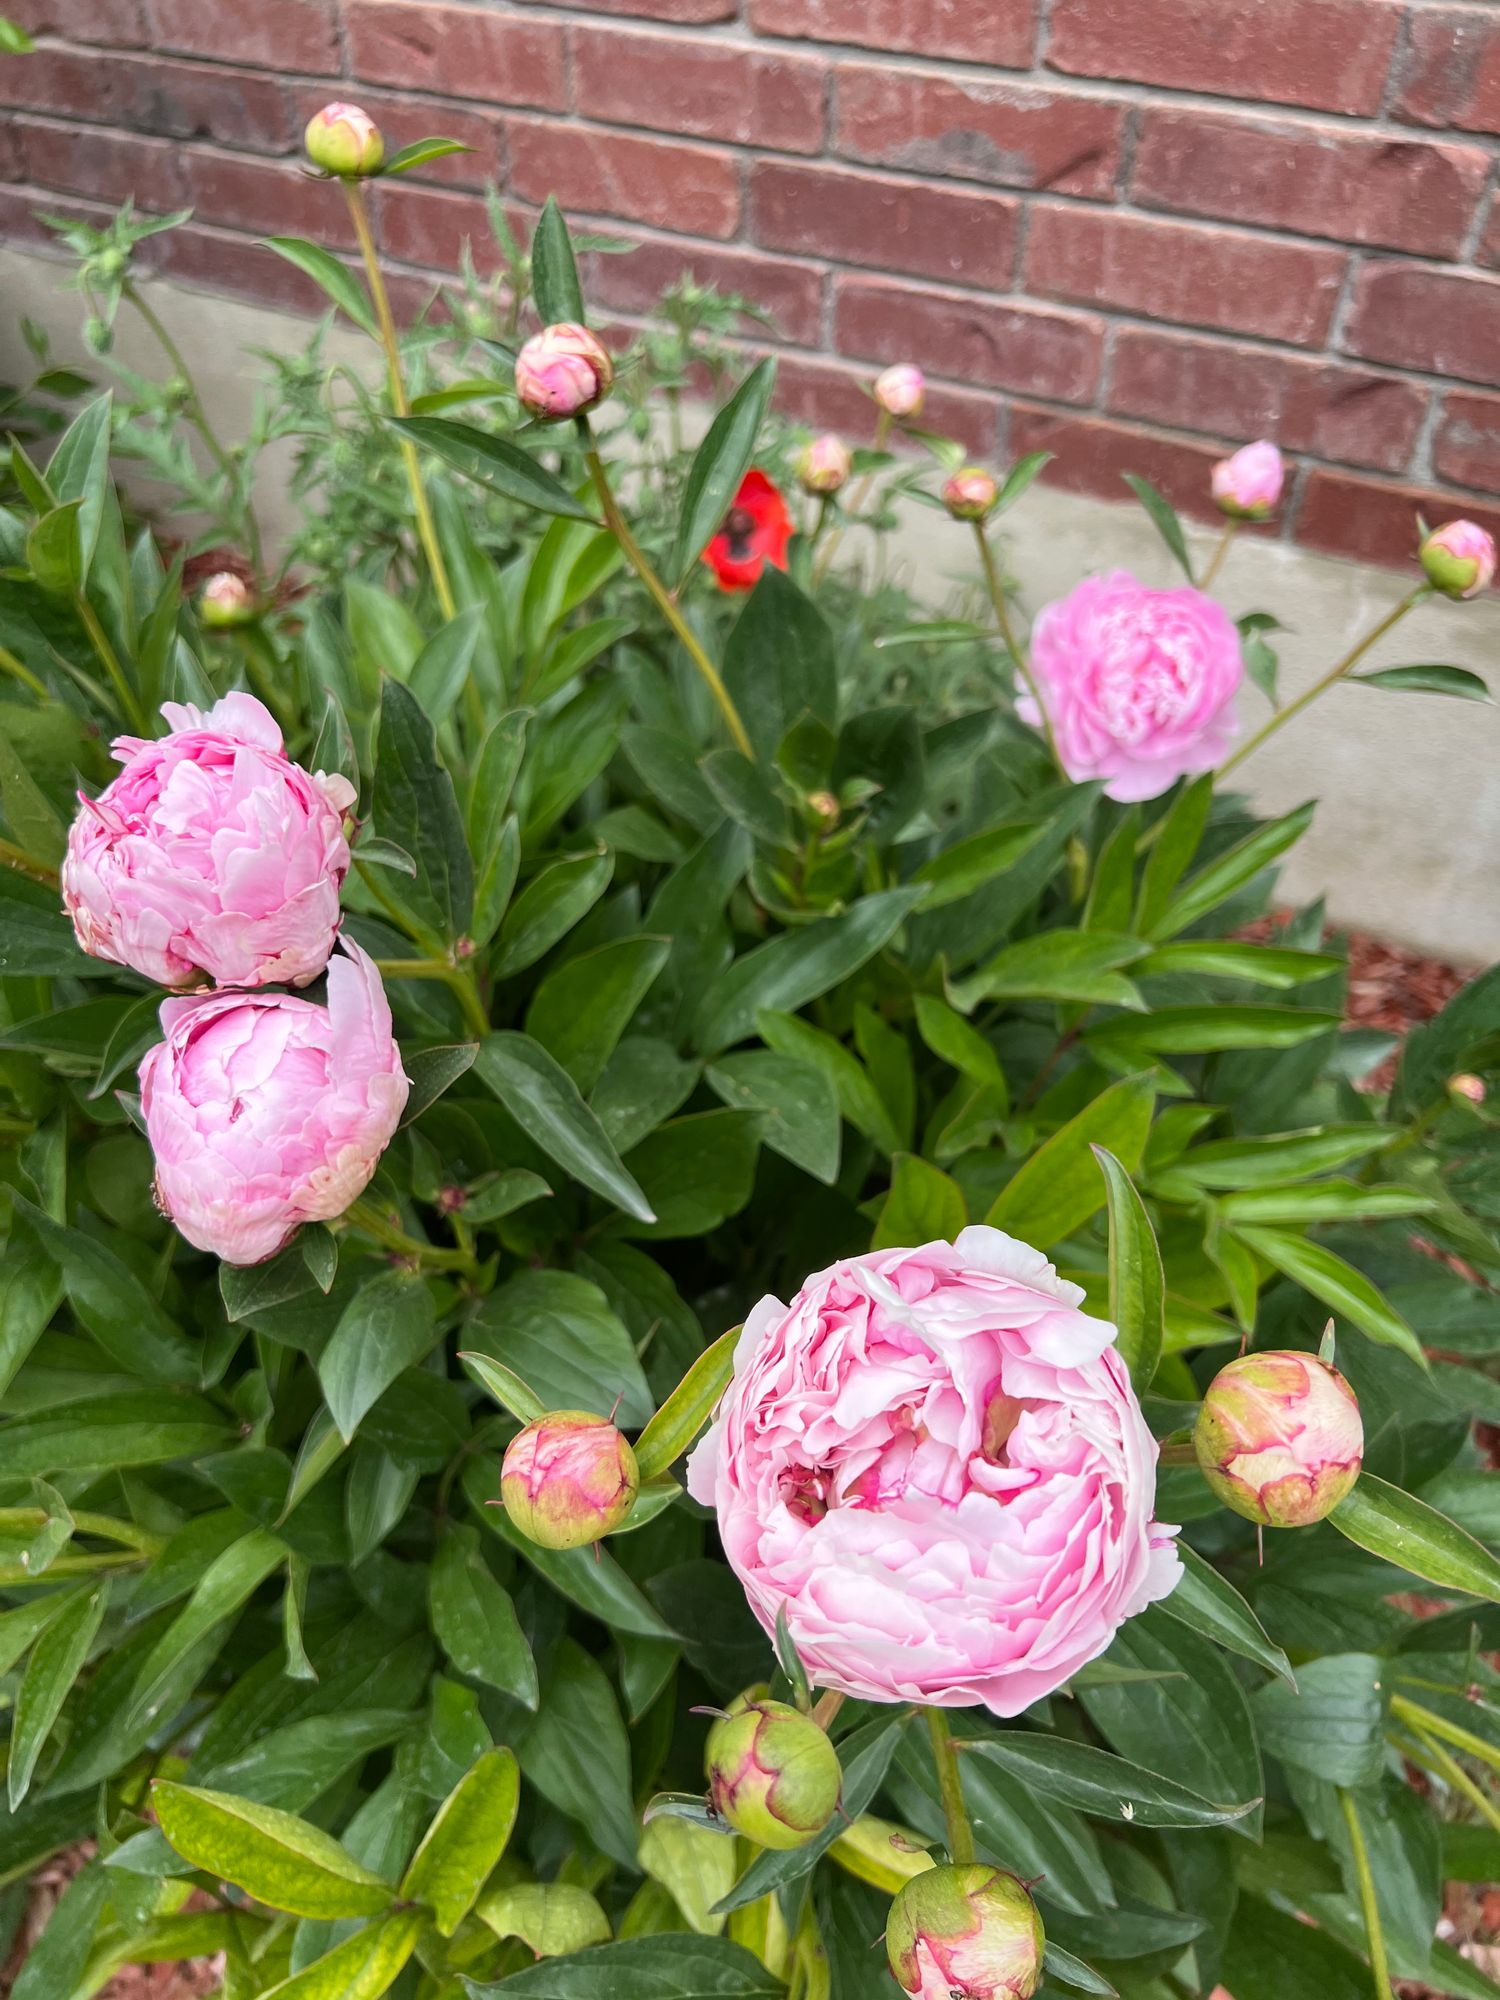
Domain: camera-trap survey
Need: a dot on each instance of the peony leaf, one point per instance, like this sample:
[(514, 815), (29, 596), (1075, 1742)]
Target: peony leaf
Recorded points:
[(720, 463), (334, 278), (1164, 519), (555, 290), (1098, 1783), (278, 1859), (464, 1844), (1137, 1285), (1059, 1188), (1407, 1532), (676, 1425)]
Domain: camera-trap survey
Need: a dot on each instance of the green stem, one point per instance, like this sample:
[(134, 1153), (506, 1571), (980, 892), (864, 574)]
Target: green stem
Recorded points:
[(126, 1533), (365, 1215), (951, 1789), (13, 1576), (1380, 1971), (1447, 1767), (668, 606), (130, 701), (857, 501), (12, 856), (1221, 550), (427, 532), (1007, 632), (198, 418), (1427, 1723), (452, 976), (1351, 659), (11, 665)]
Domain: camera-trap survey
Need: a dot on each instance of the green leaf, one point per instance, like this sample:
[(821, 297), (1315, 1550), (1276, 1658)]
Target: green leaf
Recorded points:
[(494, 1196), (36, 937), (1427, 680), (419, 153), (859, 1100), (56, 1962), (1261, 965), (466, 1840), (14, 40), (1437, 1049), (386, 1327), (1059, 1187), (334, 278), (431, 1072), (36, 827), (748, 793), (110, 1300), (575, 1752), (556, 1331), (1211, 1605), (1217, 882), (507, 1388), (673, 1966), (1325, 1201), (1335, 1284), (1098, 1783), (1207, 1030), (720, 463), (1407, 1532), (797, 1104), (442, 667), (696, 1171), (31, 1289), (1056, 965), (1280, 1157), (545, 1102), (683, 1415), (780, 660), (1272, 1955), (495, 462), (414, 805), (1333, 1725), (54, 550), (361, 1968), (583, 1006), (548, 908), (555, 290), (550, 1918), (278, 1859), (228, 1582), (1164, 520), (966, 866), (474, 1620), (1020, 477), (109, 1433), (57, 1659), (923, 1206), (1137, 1284)]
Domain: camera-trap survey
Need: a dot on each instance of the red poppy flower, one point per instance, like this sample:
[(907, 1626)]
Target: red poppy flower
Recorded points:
[(756, 531)]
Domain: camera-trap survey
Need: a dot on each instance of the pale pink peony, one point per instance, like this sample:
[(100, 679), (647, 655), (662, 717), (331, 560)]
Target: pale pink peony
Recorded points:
[(935, 1465), (266, 1110), (563, 371), (345, 141), (901, 391), (1248, 486), (1139, 684), (212, 852), (1459, 558), (825, 465), (1279, 1438)]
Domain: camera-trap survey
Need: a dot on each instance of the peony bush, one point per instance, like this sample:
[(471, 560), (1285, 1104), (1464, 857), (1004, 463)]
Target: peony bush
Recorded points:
[(692, 1303)]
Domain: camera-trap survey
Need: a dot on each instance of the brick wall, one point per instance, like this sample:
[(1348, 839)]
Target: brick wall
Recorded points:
[(1128, 230)]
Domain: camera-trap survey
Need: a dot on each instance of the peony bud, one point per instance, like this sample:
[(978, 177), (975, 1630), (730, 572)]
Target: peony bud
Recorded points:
[(1459, 559), (825, 810), (1469, 1087), (344, 141), (970, 494), (825, 465), (569, 1479), (1247, 487), (901, 391), (563, 371), (971, 1932), (226, 600), (773, 1775), (1279, 1438)]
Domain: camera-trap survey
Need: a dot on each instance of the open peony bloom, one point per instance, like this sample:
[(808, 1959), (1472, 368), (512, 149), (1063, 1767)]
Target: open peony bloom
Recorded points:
[(757, 530), (266, 1110), (1459, 559), (934, 1463), (901, 391), (1247, 487), (970, 1930), (563, 371), (1280, 1438), (212, 852), (1139, 684)]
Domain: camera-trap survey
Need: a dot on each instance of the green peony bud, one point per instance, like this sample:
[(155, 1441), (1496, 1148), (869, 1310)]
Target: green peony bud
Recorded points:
[(773, 1775), (344, 141), (965, 1933), (226, 601), (569, 1479), (1279, 1438), (970, 493)]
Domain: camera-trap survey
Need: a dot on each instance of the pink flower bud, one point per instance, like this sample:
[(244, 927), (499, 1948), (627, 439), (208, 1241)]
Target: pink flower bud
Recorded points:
[(569, 1479), (1470, 1088), (1279, 1438), (344, 141), (773, 1775), (825, 465), (1248, 486), (563, 371), (1459, 559), (969, 1931), (825, 809), (970, 494), (225, 601), (901, 391)]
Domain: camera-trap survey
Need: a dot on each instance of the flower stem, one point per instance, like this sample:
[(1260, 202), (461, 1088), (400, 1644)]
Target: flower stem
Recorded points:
[(1441, 1763), (452, 976), (857, 501), (826, 1709), (365, 1215), (1380, 1971), (665, 602), (360, 211), (1216, 560), (1350, 660), (1008, 633), (130, 701), (11, 665), (1426, 1722), (951, 1789)]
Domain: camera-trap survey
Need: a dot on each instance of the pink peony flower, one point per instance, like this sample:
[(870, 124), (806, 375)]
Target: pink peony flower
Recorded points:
[(563, 371), (901, 391), (1248, 486), (970, 1930), (569, 1479), (1139, 684), (825, 465), (934, 1463), (266, 1110), (345, 141), (1280, 1438), (1459, 559), (212, 852)]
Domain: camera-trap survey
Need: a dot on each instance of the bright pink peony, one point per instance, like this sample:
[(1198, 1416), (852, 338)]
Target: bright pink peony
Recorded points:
[(266, 1111), (1139, 684), (936, 1465), (1248, 486), (212, 852), (569, 1479)]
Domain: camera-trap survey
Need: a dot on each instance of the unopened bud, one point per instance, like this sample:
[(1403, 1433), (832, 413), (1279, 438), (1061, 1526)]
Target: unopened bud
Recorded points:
[(1247, 487), (1279, 1438), (344, 141), (965, 1933), (563, 371), (825, 810), (225, 601), (1459, 559), (569, 1479), (901, 391), (773, 1775), (1470, 1088), (825, 465), (970, 494)]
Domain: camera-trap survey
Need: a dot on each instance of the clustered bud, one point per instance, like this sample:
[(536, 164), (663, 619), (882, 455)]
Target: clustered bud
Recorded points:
[(226, 600), (901, 391), (344, 141), (562, 372), (773, 1775), (1247, 487), (569, 1479), (970, 493), (1459, 559), (965, 1933), (1279, 1438), (825, 466)]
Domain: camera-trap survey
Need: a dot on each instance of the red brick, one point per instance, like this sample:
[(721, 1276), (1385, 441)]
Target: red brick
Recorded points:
[(1032, 348), (113, 23), (268, 197), (83, 160), (693, 12), (1321, 179), (69, 81), (792, 294), (1093, 457), (459, 51), (222, 262), (1467, 446), (1330, 55), (1375, 522), (1239, 392), (285, 35), (823, 395), (1450, 74), (20, 222), (429, 226), (180, 100), (1489, 247), (1171, 270), (704, 89), (403, 119), (1416, 317), (688, 188), (934, 232), (10, 153), (1009, 135), (1002, 32)]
